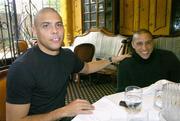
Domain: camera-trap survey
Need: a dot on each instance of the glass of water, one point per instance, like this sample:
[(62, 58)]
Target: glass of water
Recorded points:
[(133, 98), (171, 102)]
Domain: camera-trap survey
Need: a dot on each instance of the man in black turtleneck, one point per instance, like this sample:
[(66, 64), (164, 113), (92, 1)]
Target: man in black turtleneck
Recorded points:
[(147, 64)]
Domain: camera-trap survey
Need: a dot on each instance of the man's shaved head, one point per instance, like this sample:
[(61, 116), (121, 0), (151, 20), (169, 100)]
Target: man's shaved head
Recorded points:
[(49, 29), (42, 11)]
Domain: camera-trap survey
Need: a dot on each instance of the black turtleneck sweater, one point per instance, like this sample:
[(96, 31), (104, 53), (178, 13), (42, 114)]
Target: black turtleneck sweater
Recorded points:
[(162, 64)]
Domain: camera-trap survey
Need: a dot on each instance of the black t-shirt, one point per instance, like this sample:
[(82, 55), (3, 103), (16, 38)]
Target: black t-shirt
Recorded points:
[(41, 79), (162, 64)]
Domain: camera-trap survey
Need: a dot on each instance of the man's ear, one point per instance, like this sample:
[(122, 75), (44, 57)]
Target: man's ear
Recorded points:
[(34, 30), (153, 42), (132, 44)]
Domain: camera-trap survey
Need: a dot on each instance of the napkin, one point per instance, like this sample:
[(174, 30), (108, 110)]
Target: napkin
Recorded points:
[(156, 86), (105, 110)]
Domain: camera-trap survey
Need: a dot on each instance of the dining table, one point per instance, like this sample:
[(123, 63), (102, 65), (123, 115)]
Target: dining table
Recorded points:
[(108, 109)]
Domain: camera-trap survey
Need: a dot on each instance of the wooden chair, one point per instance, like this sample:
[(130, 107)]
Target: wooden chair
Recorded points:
[(125, 47), (111, 70), (22, 46), (3, 75), (85, 52)]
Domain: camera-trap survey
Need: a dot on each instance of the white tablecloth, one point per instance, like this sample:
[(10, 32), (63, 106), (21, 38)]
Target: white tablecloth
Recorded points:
[(108, 109)]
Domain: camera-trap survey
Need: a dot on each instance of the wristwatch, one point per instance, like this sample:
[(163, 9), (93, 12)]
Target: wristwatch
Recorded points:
[(110, 59)]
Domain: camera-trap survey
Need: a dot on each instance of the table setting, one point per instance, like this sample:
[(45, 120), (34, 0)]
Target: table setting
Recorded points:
[(138, 104)]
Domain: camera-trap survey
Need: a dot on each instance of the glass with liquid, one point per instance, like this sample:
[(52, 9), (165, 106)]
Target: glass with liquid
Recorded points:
[(171, 102), (133, 98)]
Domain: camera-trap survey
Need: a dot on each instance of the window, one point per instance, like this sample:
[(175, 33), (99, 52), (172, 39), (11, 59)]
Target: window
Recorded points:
[(175, 27), (97, 14)]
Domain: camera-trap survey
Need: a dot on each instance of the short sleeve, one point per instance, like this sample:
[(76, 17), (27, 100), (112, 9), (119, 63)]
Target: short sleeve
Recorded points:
[(19, 84), (78, 64)]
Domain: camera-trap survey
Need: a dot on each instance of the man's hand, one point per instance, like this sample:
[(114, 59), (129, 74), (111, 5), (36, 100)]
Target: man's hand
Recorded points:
[(78, 107), (20, 112), (120, 58)]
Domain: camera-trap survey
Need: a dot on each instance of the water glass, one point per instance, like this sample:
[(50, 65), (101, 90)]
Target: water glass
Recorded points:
[(133, 98), (171, 102)]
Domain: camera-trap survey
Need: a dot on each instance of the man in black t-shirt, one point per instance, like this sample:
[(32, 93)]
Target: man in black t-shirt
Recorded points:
[(147, 64), (37, 80)]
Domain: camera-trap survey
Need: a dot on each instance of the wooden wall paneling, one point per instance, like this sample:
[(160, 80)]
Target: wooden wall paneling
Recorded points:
[(136, 15), (160, 13), (144, 14), (153, 15), (126, 16)]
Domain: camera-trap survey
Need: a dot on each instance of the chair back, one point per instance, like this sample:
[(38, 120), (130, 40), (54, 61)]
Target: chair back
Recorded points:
[(125, 48), (3, 75), (22, 46), (85, 51)]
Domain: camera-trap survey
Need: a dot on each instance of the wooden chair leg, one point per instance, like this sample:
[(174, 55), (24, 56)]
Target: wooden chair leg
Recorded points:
[(90, 79), (3, 75), (78, 79)]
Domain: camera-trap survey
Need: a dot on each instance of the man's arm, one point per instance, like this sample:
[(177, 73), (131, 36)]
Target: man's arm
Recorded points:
[(19, 112), (95, 66)]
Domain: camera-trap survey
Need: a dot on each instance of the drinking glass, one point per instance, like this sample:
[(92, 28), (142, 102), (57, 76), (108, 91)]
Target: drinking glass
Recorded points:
[(171, 102), (133, 98)]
